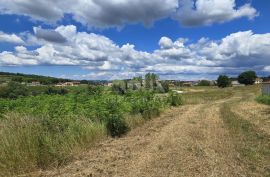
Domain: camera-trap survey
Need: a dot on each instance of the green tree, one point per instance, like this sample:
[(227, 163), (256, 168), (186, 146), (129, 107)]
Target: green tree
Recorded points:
[(148, 81), (166, 86), (14, 90), (154, 78), (247, 77), (223, 81), (204, 83)]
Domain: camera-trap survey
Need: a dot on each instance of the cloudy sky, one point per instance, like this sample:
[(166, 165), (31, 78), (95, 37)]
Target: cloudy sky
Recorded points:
[(112, 39)]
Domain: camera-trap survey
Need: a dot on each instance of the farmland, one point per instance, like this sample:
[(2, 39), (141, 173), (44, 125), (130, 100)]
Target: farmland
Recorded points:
[(206, 130)]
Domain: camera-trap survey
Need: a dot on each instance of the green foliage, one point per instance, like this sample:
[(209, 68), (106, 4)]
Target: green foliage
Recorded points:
[(119, 87), (30, 142), (95, 90), (247, 77), (116, 126), (47, 129), (145, 103), (223, 81), (28, 78), (174, 99), (264, 99), (204, 83), (151, 81), (54, 91), (13, 90), (166, 86)]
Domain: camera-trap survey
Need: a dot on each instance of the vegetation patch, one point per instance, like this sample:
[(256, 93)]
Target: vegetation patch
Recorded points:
[(264, 99)]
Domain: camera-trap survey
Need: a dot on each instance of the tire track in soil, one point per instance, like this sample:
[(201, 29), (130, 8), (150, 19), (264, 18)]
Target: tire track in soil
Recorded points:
[(186, 141)]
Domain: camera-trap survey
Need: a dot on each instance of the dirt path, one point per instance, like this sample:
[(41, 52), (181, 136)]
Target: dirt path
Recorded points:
[(186, 141)]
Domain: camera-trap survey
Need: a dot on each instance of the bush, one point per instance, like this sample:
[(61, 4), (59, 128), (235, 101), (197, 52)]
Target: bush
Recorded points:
[(14, 90), (166, 86), (94, 90), (265, 99), (116, 126), (145, 103), (174, 99), (204, 83), (55, 91)]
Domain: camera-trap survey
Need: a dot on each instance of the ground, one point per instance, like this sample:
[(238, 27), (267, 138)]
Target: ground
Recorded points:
[(222, 136)]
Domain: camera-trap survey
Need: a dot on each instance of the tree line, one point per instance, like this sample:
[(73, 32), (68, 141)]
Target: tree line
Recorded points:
[(246, 78)]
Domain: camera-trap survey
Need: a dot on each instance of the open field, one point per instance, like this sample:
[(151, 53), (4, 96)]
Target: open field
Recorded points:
[(217, 132), (224, 135)]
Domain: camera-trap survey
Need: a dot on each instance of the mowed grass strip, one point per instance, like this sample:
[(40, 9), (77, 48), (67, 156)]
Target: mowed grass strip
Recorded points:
[(252, 144)]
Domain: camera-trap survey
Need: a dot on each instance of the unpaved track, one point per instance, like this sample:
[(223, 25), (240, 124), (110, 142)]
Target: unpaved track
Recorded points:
[(186, 141)]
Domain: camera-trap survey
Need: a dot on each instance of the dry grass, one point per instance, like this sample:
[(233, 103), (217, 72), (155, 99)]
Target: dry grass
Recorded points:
[(252, 143)]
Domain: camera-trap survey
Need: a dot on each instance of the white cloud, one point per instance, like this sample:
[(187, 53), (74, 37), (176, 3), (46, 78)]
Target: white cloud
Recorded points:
[(10, 38), (206, 12), (103, 58), (116, 13)]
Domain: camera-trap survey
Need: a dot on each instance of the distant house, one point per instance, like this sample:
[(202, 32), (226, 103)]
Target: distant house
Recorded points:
[(258, 81), (34, 83), (65, 84), (109, 84), (237, 84), (266, 88)]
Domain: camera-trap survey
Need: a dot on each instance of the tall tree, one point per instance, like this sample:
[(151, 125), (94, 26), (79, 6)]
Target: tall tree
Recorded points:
[(247, 77), (223, 81), (148, 81)]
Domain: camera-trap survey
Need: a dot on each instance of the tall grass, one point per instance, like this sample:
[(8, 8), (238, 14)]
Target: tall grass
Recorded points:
[(28, 143), (47, 130)]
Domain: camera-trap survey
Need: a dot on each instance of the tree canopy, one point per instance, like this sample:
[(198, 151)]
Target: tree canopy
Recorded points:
[(247, 77), (223, 81)]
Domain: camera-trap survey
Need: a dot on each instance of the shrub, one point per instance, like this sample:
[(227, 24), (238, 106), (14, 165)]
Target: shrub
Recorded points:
[(166, 86), (204, 83), (94, 90), (116, 126), (265, 99), (54, 91), (14, 90), (174, 99), (145, 103)]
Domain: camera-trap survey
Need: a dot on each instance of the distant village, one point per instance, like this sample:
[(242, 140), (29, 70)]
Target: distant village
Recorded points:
[(132, 83)]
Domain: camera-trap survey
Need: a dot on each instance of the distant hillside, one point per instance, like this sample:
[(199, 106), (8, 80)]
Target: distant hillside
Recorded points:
[(28, 78), (44, 80)]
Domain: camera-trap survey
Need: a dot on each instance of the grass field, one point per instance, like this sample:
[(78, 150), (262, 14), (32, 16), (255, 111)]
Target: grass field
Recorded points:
[(56, 129)]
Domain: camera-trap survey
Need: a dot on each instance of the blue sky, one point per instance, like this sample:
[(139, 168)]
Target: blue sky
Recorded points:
[(185, 39)]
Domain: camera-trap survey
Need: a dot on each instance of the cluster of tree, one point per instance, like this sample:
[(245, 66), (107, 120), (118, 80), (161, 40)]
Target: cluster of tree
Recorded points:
[(28, 78), (16, 90), (246, 78), (204, 83), (150, 82)]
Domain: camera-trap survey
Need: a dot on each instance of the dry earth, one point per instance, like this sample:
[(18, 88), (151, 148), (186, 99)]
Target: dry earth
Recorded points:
[(187, 141)]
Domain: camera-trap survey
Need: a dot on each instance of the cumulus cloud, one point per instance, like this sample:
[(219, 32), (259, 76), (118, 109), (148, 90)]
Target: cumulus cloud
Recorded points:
[(10, 38), (105, 59), (49, 35), (202, 12), (115, 13)]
